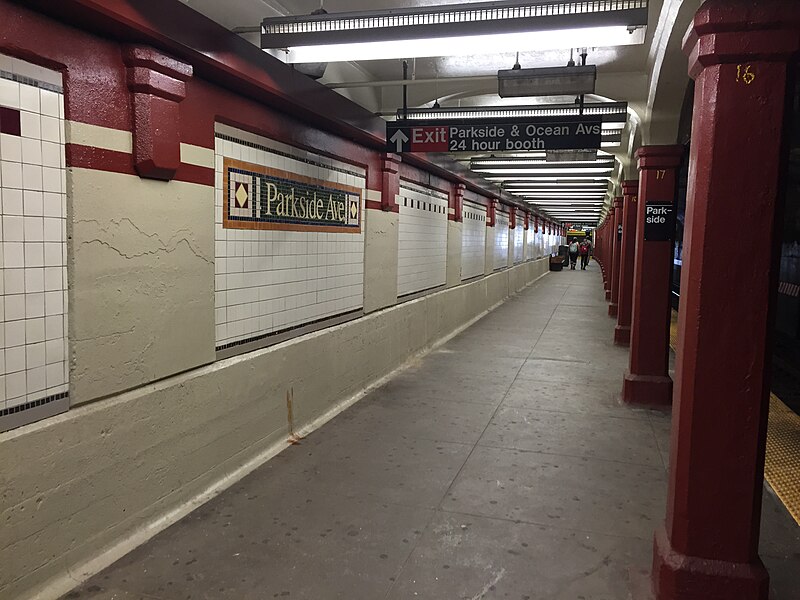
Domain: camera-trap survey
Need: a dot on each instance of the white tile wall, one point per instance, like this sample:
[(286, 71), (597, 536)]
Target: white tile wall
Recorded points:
[(422, 251), (33, 243), (519, 240), (501, 240), (473, 241), (268, 281)]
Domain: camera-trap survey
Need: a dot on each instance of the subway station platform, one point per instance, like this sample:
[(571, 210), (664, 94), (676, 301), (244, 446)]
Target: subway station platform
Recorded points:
[(500, 465)]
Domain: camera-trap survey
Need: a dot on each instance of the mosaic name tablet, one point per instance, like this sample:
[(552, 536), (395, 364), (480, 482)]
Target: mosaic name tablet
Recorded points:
[(260, 197)]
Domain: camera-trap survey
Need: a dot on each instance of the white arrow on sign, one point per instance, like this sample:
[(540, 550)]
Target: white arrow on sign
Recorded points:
[(399, 138)]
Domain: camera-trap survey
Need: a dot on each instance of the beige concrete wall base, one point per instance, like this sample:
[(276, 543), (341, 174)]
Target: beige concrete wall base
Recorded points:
[(380, 259), (83, 488)]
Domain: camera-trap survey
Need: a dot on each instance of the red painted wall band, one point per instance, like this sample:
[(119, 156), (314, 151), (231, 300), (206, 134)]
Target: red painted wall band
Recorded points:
[(100, 159)]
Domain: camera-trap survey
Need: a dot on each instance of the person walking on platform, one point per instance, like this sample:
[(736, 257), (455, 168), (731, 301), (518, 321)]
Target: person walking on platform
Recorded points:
[(584, 252), (574, 248)]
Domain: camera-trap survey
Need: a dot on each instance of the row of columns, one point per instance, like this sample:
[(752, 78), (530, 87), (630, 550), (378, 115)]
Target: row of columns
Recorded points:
[(741, 53)]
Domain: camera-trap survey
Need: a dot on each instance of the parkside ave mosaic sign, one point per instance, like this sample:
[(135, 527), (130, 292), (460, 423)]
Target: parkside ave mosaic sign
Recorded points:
[(481, 135), (262, 198)]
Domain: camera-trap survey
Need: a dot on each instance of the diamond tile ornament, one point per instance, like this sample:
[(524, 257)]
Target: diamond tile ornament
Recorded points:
[(242, 195)]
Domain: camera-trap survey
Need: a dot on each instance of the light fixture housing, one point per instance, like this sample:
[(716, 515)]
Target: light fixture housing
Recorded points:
[(546, 81), (445, 30)]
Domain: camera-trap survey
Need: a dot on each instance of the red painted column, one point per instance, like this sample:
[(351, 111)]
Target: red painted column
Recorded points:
[(616, 234), (647, 380), (600, 253), (708, 546), (609, 258), (622, 332)]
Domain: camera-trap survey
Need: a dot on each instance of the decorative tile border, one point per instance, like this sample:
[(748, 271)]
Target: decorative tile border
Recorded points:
[(33, 404), (276, 152), (31, 81)]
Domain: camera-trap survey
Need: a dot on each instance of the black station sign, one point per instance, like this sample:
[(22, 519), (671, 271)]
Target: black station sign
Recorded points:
[(659, 222), (619, 231), (493, 135)]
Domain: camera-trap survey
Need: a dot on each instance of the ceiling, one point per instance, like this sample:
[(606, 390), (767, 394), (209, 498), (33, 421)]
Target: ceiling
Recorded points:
[(622, 76)]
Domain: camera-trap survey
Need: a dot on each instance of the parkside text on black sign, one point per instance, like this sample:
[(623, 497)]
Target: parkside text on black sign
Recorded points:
[(659, 222), (496, 135)]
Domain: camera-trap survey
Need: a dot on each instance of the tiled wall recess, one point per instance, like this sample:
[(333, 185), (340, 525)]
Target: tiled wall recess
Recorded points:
[(34, 370), (533, 244), (422, 251), (501, 240), (273, 280), (519, 241), (473, 241)]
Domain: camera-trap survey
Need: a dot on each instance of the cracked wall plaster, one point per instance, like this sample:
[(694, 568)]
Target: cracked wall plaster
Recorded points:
[(142, 280)]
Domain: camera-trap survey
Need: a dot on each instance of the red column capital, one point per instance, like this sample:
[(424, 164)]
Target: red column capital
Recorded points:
[(157, 83), (738, 31), (630, 187), (659, 157)]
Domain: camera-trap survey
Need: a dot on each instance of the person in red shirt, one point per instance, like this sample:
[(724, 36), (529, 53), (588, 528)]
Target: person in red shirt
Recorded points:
[(584, 252)]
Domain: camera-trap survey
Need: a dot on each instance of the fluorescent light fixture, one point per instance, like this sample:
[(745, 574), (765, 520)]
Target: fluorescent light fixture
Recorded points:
[(609, 112), (570, 208), (552, 179), (456, 29), (510, 163), (558, 193), (561, 197), (555, 171), (569, 193), (575, 184), (465, 45)]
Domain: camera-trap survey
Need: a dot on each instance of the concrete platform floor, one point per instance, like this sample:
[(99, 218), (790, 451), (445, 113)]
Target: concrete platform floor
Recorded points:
[(500, 466)]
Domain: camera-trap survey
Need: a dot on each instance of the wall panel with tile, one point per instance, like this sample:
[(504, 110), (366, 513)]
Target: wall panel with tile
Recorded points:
[(501, 239), (519, 239), (422, 251), (286, 254), (34, 370), (473, 240)]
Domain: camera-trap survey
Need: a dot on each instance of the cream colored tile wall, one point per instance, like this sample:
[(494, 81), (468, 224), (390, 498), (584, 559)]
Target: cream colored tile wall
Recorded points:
[(501, 235), (422, 251), (269, 281), (33, 256), (473, 241), (519, 241)]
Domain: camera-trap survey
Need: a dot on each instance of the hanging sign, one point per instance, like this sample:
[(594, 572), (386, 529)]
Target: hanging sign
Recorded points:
[(493, 135), (619, 231), (659, 222)]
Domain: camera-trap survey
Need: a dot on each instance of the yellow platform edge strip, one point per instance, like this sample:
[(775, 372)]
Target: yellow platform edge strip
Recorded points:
[(782, 464)]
